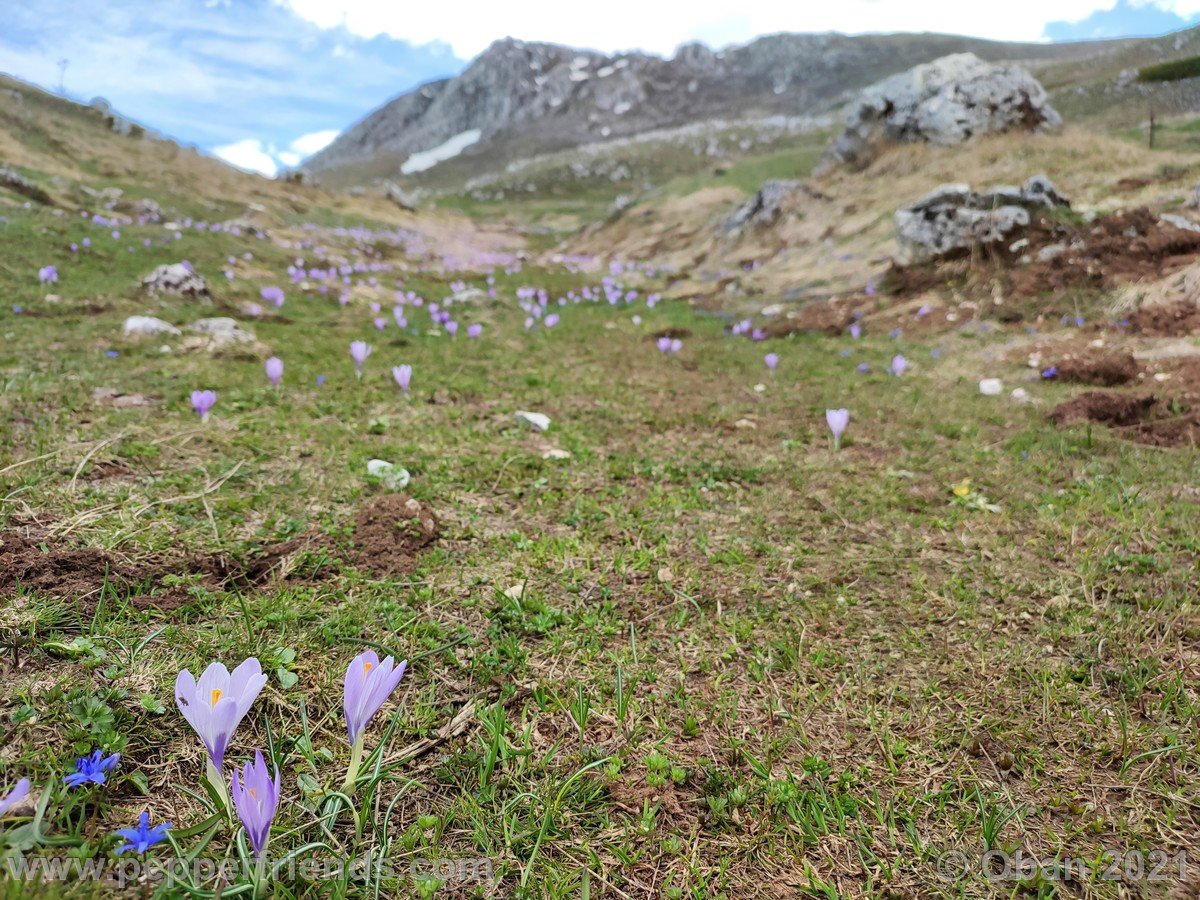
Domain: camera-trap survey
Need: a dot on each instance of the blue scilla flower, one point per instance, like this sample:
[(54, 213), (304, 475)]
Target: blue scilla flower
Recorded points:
[(143, 837), (93, 768)]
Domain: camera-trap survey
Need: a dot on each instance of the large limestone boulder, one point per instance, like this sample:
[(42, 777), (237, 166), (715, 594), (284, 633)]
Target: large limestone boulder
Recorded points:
[(953, 219), (947, 101)]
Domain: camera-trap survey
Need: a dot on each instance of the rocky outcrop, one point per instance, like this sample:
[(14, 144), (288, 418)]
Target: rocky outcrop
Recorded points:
[(764, 208), (525, 98), (19, 184), (179, 279), (947, 101), (953, 219)]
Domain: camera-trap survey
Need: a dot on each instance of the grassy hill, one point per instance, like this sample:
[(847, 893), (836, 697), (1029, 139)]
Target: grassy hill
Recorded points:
[(679, 644)]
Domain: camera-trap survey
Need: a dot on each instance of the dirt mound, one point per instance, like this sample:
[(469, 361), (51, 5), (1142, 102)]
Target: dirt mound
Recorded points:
[(64, 571), (391, 532), (33, 560), (1166, 319), (1054, 255), (1105, 407), (1142, 418), (1106, 368)]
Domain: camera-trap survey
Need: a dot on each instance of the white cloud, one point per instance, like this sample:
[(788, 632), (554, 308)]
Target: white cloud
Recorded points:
[(248, 154), (313, 142), (468, 27)]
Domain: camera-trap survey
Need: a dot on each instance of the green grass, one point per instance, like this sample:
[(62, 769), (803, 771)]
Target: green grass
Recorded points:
[(1175, 70), (696, 659)]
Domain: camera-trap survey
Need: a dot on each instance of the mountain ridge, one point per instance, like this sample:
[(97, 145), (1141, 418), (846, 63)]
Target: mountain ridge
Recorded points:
[(532, 97)]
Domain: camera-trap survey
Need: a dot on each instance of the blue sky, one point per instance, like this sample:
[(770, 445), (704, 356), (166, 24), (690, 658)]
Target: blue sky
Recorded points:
[(264, 83)]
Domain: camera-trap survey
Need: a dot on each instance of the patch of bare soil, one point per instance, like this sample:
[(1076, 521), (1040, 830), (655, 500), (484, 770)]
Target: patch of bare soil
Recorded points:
[(391, 532), (1166, 319), (1110, 251), (33, 560), (826, 317), (1106, 368), (1141, 418), (679, 333)]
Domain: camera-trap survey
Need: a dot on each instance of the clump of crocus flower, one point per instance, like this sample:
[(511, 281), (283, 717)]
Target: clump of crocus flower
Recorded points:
[(837, 420), (359, 351), (368, 684), (403, 376), (215, 705), (274, 369), (48, 274), (474, 331), (10, 800), (899, 365), (273, 295), (92, 769), (143, 836), (203, 402)]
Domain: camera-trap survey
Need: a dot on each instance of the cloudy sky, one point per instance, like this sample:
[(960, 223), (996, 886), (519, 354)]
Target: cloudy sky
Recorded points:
[(264, 83)]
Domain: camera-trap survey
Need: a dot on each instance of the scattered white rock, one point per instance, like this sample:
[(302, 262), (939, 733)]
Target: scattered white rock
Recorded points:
[(1020, 395), (556, 453), (223, 331), (394, 477), (991, 387), (535, 420), (1179, 222), (142, 325)]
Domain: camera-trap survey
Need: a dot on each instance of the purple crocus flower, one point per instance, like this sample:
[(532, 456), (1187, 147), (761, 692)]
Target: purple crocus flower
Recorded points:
[(772, 360), (203, 402), (551, 320), (47, 274), (256, 797), (663, 344), (837, 420), (92, 769), (474, 331), (864, 368), (274, 368), (452, 328), (273, 295), (380, 323), (855, 330), (1050, 372), (403, 376), (676, 345), (216, 704), (19, 792), (142, 837), (899, 364), (368, 684), (359, 350)]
